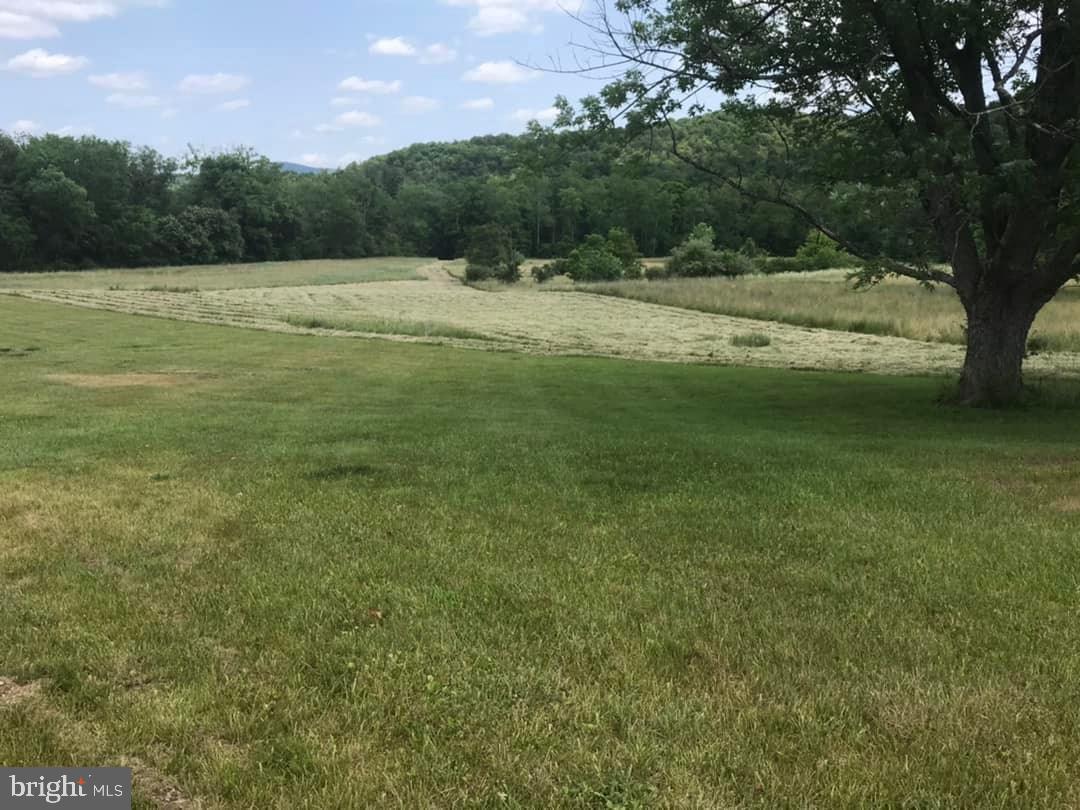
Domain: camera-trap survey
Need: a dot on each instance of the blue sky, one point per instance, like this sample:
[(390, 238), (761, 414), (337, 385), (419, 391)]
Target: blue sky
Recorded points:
[(322, 82)]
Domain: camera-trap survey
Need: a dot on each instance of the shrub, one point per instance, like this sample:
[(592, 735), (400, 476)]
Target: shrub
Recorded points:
[(819, 252), (657, 273), (594, 261), (751, 340), (491, 255), (698, 257), (546, 272)]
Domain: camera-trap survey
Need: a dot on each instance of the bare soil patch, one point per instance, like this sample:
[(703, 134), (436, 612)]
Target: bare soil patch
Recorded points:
[(12, 693)]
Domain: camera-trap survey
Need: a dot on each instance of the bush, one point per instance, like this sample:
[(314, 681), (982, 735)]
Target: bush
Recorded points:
[(819, 252), (594, 261), (491, 255), (698, 257), (657, 273), (546, 272)]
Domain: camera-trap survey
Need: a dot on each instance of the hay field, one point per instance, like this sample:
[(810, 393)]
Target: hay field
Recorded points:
[(526, 319), (896, 307), (223, 276)]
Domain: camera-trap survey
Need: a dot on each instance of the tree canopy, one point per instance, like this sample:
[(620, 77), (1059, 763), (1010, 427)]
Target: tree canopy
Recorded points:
[(971, 108)]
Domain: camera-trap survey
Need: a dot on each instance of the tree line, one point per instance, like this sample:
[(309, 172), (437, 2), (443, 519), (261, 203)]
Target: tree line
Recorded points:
[(87, 202)]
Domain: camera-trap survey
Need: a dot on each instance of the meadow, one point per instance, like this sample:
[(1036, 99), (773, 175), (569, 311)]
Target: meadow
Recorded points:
[(431, 305), (289, 571), (827, 300)]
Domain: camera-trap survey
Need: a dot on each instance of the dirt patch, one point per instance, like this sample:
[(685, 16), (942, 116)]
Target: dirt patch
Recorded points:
[(12, 694), (159, 789), (134, 380)]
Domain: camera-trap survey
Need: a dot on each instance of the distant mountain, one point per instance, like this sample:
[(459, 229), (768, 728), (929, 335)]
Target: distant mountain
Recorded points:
[(299, 168)]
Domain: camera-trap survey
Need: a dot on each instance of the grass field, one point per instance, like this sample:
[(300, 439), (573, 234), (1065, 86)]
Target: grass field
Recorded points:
[(528, 318), (284, 571), (826, 300), (222, 276)]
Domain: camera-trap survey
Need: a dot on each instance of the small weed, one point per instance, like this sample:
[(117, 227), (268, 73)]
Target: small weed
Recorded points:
[(751, 340)]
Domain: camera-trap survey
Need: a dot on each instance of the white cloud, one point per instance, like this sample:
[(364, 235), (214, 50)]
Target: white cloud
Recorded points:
[(133, 101), (322, 129), (357, 118), (344, 101), (21, 26), (543, 116), (24, 126), (354, 84), (75, 129), (122, 82), (499, 73), (396, 46), (478, 104), (493, 17), (234, 105), (169, 112), (213, 83), (415, 105), (33, 19), (41, 64), (438, 54)]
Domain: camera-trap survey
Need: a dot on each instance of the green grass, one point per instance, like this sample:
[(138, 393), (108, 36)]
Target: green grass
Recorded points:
[(383, 326), (297, 572), (222, 277), (826, 300)]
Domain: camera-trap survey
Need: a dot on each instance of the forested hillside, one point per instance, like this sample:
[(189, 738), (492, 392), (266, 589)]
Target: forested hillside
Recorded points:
[(85, 202)]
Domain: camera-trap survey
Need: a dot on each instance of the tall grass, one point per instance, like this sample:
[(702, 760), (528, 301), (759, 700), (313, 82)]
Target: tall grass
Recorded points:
[(827, 300)]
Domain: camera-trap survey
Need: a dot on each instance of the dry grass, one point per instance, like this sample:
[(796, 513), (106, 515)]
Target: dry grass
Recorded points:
[(222, 276), (826, 300)]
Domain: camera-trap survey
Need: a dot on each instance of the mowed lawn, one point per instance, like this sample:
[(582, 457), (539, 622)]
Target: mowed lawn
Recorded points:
[(280, 571)]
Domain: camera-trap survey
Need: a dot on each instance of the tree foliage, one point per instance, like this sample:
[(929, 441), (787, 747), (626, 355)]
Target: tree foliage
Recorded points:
[(965, 110)]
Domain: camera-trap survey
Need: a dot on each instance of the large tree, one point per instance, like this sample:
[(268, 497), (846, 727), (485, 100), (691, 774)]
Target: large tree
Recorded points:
[(978, 99)]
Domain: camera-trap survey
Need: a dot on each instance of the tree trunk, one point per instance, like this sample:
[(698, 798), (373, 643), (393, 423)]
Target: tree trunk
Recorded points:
[(997, 334)]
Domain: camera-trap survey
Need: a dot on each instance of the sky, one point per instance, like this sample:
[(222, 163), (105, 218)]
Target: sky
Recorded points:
[(319, 82)]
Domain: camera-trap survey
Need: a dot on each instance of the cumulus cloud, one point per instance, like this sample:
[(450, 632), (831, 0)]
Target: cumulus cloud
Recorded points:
[(357, 118), (492, 17), (438, 54), (415, 105), (22, 26), (132, 100), (499, 73), (234, 105), (34, 19), (354, 84), (393, 46), (121, 82), (344, 101), (213, 83), (41, 64), (24, 126), (478, 104)]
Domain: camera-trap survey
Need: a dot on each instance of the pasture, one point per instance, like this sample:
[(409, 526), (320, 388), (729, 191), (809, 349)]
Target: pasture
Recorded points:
[(276, 567)]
